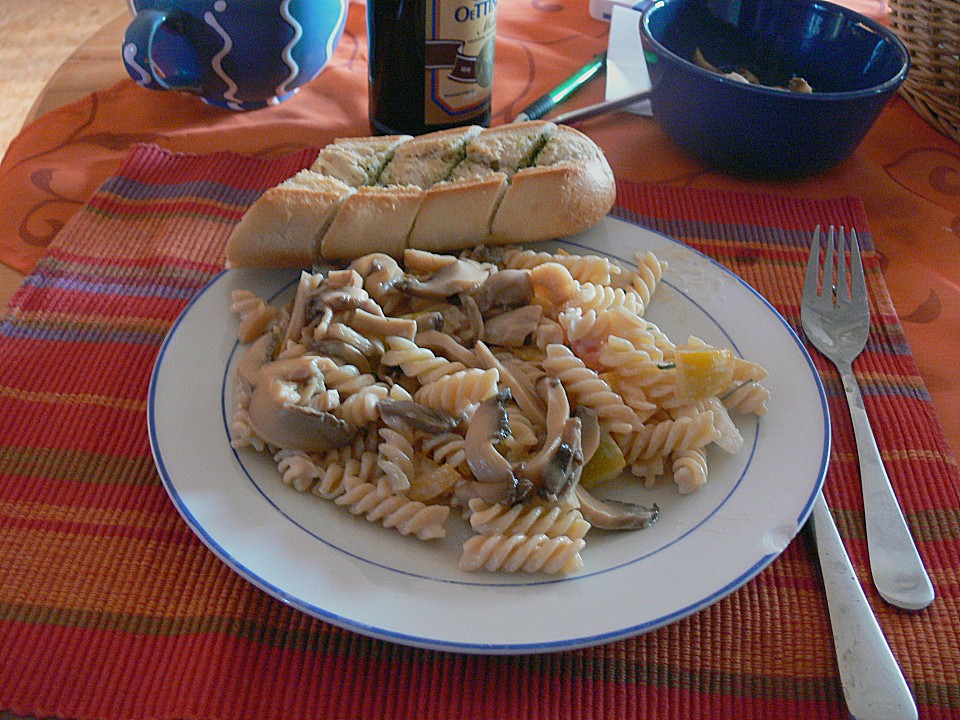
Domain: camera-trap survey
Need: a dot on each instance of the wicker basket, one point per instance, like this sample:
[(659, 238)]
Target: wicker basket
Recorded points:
[(931, 31)]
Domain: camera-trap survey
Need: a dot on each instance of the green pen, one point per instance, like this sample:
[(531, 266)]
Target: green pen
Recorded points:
[(540, 107)]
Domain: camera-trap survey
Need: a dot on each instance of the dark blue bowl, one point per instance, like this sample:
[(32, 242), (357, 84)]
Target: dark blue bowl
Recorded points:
[(853, 63)]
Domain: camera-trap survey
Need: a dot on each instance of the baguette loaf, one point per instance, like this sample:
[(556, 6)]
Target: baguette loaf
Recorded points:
[(443, 191)]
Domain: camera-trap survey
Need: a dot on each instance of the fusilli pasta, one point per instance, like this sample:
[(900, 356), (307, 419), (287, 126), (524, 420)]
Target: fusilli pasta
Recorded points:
[(399, 394), (526, 519), (513, 553), (587, 388)]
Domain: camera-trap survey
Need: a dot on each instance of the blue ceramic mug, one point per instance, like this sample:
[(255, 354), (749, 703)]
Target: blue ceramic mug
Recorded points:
[(237, 54)]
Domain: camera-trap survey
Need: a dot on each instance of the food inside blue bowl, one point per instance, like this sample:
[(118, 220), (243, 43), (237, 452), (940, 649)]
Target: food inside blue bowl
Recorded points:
[(852, 65)]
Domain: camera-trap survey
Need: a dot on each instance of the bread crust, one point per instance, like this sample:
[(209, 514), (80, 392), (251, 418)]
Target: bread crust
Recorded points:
[(373, 219), (441, 192), (284, 226), (456, 215), (550, 201)]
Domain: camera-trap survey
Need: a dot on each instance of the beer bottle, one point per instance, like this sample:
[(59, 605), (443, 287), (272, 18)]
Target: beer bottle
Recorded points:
[(431, 64)]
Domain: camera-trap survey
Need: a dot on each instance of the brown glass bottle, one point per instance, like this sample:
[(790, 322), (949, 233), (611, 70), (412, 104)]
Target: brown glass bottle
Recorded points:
[(431, 64)]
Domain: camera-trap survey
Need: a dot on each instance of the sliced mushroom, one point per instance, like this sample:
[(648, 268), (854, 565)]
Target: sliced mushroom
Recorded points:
[(380, 273), (319, 325), (424, 262), (455, 322), (489, 425), (495, 479), (493, 254), (526, 377), (529, 403), (558, 405), (556, 465), (305, 289), (416, 416), (461, 276), (369, 324), (346, 334), (615, 514), (429, 321), (295, 427), (506, 288), (589, 431), (440, 342), (512, 328), (342, 351), (346, 299), (338, 279), (277, 417), (248, 369), (474, 317)]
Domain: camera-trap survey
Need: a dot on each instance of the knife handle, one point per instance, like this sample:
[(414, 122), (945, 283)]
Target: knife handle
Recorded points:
[(873, 685)]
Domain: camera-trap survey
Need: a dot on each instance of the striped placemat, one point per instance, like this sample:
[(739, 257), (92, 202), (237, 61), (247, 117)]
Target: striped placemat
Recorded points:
[(111, 608)]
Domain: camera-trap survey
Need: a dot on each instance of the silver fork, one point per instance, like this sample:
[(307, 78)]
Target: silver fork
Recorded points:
[(836, 318)]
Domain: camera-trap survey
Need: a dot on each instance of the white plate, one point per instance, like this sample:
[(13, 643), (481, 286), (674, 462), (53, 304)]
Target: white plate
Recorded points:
[(347, 571)]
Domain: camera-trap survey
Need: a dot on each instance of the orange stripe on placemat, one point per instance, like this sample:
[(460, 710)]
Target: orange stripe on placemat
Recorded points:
[(67, 400), (75, 466), (88, 325), (213, 210)]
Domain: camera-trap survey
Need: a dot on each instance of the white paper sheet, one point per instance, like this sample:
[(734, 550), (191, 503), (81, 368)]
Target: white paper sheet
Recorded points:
[(626, 68)]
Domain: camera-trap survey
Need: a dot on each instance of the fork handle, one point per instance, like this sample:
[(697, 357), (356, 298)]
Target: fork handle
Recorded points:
[(873, 685), (895, 564)]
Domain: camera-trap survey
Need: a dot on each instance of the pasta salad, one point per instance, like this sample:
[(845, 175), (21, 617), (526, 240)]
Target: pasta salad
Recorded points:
[(504, 385)]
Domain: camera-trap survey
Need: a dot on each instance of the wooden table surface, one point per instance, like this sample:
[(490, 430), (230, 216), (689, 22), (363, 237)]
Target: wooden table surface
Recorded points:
[(95, 65)]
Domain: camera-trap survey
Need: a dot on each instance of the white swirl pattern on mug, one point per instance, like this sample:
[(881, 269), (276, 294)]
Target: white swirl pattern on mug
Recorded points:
[(283, 88), (130, 55), (231, 94), (338, 28)]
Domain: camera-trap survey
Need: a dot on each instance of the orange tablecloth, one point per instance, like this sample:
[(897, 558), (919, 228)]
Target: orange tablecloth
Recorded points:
[(124, 608)]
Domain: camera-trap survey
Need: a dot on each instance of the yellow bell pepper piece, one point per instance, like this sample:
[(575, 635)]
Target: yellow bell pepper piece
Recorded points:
[(703, 372), (606, 464)]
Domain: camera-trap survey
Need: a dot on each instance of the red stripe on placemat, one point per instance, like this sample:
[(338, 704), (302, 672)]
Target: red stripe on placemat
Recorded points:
[(772, 212)]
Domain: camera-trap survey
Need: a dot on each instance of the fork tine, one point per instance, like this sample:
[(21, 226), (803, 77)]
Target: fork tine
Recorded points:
[(827, 290), (858, 289), (813, 266), (842, 294)]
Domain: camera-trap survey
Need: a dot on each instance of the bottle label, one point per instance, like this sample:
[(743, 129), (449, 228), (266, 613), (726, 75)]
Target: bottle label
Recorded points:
[(459, 59)]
